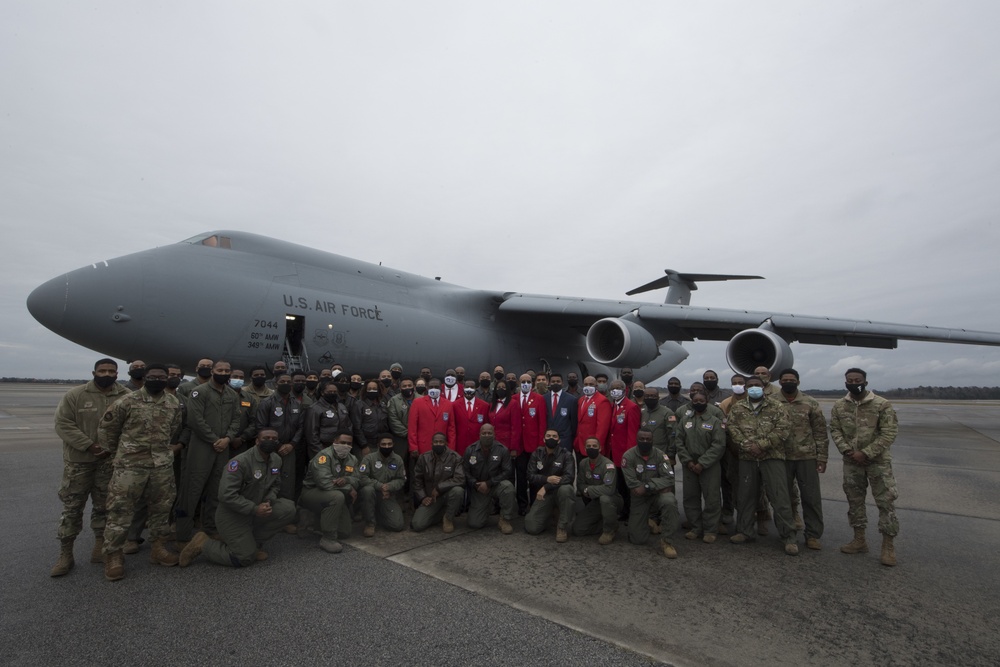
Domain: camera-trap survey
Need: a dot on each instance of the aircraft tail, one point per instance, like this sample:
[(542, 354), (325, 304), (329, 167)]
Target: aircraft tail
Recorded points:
[(680, 285)]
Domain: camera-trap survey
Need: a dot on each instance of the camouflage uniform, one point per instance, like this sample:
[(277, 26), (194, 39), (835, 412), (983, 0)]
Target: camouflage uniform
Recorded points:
[(596, 484), (249, 480), (868, 426), (655, 474), (807, 445), (375, 471), (767, 426), (84, 475), (701, 438), (321, 496), (138, 431)]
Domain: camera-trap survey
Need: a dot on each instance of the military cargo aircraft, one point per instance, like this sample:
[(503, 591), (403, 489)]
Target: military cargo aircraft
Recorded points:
[(251, 299)]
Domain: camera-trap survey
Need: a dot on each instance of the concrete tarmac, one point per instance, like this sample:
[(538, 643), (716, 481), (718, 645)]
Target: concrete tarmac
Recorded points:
[(483, 597)]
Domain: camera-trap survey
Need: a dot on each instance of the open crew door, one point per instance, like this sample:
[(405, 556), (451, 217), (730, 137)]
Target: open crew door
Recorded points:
[(295, 350)]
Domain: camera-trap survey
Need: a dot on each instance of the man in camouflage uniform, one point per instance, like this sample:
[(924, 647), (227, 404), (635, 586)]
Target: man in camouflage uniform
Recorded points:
[(138, 431), (487, 472), (383, 475), (701, 441), (864, 426), (250, 511), (597, 487), (649, 477), (759, 426), (86, 467), (806, 451), (330, 489)]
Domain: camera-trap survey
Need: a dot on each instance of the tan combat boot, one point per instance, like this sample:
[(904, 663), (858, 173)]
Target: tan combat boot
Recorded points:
[(65, 562), (505, 526), (858, 545), (114, 566), (888, 551), (131, 547), (160, 555), (654, 527), (369, 530), (96, 555), (606, 538), (561, 535), (668, 550), (193, 548), (447, 525)]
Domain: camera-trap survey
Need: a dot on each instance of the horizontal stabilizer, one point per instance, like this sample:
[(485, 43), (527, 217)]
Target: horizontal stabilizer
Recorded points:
[(689, 280)]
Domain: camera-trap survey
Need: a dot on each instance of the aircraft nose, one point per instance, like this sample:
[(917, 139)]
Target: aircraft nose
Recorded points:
[(47, 302)]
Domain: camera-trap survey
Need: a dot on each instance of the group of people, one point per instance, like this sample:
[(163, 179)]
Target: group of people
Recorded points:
[(311, 453)]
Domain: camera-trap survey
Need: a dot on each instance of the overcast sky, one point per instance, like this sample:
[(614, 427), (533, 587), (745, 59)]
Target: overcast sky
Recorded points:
[(849, 152)]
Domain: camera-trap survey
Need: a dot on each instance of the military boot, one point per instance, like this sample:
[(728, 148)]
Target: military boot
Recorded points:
[(606, 538), (888, 551), (859, 545), (160, 555), (668, 550), (193, 548), (447, 525), (65, 562), (96, 555), (114, 566)]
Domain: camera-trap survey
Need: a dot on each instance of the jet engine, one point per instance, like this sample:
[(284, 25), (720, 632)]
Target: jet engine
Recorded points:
[(620, 342), (758, 347)]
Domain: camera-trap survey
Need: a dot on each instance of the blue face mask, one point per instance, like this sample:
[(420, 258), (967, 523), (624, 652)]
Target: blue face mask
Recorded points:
[(755, 393), (235, 383)]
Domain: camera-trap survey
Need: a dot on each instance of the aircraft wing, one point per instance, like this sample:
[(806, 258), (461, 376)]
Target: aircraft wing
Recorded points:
[(685, 323)]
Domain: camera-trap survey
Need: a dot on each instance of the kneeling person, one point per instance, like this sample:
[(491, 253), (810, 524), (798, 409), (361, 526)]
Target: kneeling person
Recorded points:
[(649, 477), (383, 475), (487, 470), (250, 511), (597, 485), (438, 484), (329, 490), (550, 475)]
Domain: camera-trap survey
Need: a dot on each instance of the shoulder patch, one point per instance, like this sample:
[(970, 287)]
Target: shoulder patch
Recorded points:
[(348, 469), (275, 471), (108, 416), (321, 460), (234, 465), (363, 468), (707, 427), (611, 466), (194, 394)]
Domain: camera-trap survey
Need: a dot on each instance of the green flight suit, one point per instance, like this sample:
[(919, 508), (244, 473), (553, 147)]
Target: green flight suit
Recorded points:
[(701, 439), (376, 471), (494, 467), (545, 463), (327, 492), (596, 484), (444, 474), (655, 476)]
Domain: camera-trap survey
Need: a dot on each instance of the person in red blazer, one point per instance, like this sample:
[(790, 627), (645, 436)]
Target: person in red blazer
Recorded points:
[(593, 419), (533, 424), (471, 413), (505, 415), (430, 414), (625, 420)]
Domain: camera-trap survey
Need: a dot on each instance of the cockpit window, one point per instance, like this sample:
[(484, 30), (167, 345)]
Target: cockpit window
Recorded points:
[(213, 241)]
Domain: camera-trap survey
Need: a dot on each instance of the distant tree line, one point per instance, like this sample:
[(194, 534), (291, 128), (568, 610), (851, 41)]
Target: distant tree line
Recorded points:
[(929, 393)]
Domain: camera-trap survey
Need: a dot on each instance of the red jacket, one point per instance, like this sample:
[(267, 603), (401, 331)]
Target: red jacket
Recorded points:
[(425, 420), (533, 420), (467, 424), (625, 419), (593, 421), (507, 423)]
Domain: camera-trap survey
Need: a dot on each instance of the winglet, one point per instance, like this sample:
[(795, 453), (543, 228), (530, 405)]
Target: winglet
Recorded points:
[(682, 284)]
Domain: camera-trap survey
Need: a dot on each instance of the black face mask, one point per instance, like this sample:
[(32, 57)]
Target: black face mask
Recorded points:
[(485, 384), (593, 453), (699, 407), (498, 375), (330, 398), (627, 379), (470, 394), (342, 387), (789, 387), (312, 384), (386, 382), (673, 390), (572, 382), (275, 372), (137, 373), (645, 447), (372, 395), (269, 446), (460, 379), (427, 378), (298, 387), (104, 381), (439, 449), (407, 393), (355, 386), (258, 381), (220, 378), (552, 443), (284, 389), (173, 382), (396, 374), (486, 443), (651, 403), (204, 373), (501, 393), (155, 387), (555, 388), (420, 390), (711, 385), (638, 394), (386, 452), (855, 389)]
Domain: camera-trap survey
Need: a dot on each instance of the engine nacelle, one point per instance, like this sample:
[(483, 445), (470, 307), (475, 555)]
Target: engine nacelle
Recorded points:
[(758, 347), (617, 342)]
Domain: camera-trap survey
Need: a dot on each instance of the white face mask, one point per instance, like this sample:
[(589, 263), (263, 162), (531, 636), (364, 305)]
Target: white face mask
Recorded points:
[(525, 387), (617, 394), (450, 380), (434, 394), (738, 389), (589, 391)]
